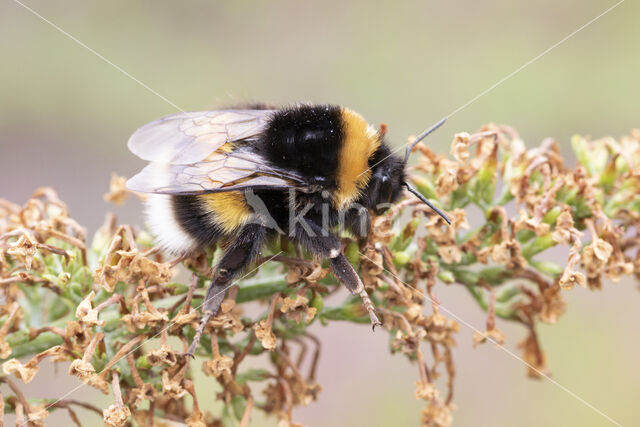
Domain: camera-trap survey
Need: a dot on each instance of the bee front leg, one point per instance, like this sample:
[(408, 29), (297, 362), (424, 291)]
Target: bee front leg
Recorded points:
[(318, 241), (241, 253)]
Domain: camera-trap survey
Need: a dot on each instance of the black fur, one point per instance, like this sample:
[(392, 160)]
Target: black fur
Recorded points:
[(195, 220), (307, 139)]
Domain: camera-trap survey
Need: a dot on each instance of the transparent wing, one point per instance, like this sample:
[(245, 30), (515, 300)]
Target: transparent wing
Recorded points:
[(220, 172), (185, 138)]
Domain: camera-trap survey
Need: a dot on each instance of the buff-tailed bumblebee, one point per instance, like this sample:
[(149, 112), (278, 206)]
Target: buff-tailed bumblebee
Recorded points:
[(243, 176)]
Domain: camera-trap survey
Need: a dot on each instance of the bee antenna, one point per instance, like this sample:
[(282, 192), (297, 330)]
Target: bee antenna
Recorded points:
[(427, 202), (422, 136)]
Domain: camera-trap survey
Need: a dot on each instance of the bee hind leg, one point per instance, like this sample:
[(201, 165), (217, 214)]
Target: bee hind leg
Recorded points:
[(241, 253)]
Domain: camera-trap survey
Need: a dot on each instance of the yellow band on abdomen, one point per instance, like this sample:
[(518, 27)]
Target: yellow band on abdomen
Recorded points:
[(229, 210)]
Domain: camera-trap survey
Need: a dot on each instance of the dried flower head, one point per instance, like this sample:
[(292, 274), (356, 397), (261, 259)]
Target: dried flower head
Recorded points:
[(296, 309), (265, 335)]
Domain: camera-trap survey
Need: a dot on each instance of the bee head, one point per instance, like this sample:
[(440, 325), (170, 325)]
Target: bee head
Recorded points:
[(389, 176), (385, 185)]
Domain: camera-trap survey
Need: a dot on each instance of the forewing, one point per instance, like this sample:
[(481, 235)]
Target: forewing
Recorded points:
[(220, 172), (186, 138)]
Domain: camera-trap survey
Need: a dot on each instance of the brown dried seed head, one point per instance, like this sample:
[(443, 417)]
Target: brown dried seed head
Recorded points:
[(156, 272), (409, 341), (24, 249), (142, 319), (553, 306), (460, 147), (571, 278), (219, 367), (37, 415), (118, 191), (436, 414), (172, 387), (602, 249), (107, 276), (414, 313), (116, 416), (448, 179), (86, 314), (229, 321), (182, 318), (137, 395), (483, 254), (450, 253), (265, 335), (5, 349), (162, 356), (459, 219), (533, 356), (196, 419), (81, 369), (74, 330), (24, 372), (87, 374), (296, 309), (426, 391), (494, 335), (524, 222)]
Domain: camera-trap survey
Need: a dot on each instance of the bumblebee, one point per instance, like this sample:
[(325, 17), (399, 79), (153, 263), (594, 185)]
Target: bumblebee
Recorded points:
[(244, 176)]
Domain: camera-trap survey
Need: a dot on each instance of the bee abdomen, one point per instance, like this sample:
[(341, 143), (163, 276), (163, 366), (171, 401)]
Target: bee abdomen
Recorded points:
[(166, 227)]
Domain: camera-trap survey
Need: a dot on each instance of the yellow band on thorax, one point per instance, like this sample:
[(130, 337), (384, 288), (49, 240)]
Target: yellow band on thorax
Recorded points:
[(360, 141)]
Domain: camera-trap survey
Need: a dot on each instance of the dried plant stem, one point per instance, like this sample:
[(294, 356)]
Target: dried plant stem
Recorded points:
[(316, 356), (238, 357), (112, 299), (19, 395), (192, 288), (120, 354), (91, 348), (134, 371), (115, 386), (272, 309), (246, 415), (33, 333), (9, 322), (422, 366), (285, 357)]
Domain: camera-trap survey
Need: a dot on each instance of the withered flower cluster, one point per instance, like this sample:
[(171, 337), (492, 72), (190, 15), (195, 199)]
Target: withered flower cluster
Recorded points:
[(110, 311)]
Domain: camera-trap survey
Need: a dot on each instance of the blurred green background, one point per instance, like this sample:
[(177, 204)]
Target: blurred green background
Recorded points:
[(65, 116)]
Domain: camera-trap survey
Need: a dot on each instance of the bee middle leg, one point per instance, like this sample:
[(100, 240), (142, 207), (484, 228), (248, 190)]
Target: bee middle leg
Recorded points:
[(241, 253), (319, 241)]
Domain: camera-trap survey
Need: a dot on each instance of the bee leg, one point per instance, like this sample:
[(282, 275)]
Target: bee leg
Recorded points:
[(358, 222), (329, 246), (346, 274), (241, 253)]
